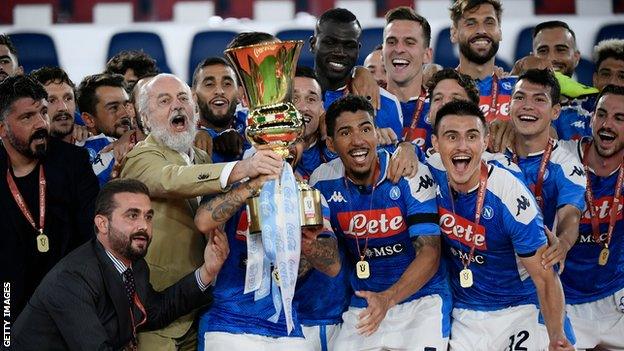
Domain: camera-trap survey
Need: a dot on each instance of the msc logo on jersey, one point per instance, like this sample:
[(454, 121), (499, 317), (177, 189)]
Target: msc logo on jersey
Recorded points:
[(336, 197), (376, 223), (395, 193)]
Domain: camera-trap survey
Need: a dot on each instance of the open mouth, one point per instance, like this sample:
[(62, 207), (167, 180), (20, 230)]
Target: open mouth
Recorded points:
[(336, 65), (307, 118), (400, 63), (606, 136), (179, 122), (62, 117), (359, 155), (219, 102), (461, 162), (527, 118), (125, 122), (481, 42)]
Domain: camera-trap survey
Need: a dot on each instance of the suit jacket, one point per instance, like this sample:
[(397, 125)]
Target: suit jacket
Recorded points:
[(70, 198), (177, 246), (82, 305)]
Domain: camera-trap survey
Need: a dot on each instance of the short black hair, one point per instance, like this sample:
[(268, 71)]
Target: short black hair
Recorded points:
[(460, 7), (610, 89), (104, 202), (210, 61), (552, 24), (408, 14), (609, 48), (348, 103), (545, 78), (47, 75), (338, 15), (5, 40), (463, 80), (459, 108), (305, 72), (141, 63), (250, 38), (86, 90), (17, 87)]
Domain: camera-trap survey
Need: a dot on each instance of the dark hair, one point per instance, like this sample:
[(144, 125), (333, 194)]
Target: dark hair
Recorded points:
[(17, 87), (47, 75), (552, 24), (460, 7), (545, 78), (460, 108), (5, 40), (609, 48), (462, 79), (250, 38), (610, 89), (338, 15), (349, 103), (408, 14), (378, 47), (210, 61), (86, 90), (104, 202), (141, 63), (305, 72)]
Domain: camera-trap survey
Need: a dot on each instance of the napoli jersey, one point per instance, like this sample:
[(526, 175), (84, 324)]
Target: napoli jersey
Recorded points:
[(573, 122), (505, 88), (240, 123), (388, 115), (421, 133), (583, 279), (311, 158), (564, 181), (384, 219), (102, 163), (510, 226)]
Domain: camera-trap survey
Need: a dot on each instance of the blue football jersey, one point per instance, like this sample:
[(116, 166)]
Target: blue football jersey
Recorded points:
[(384, 219), (503, 98), (564, 180), (583, 279), (389, 114), (312, 158), (240, 123), (573, 122), (510, 225), (421, 133), (102, 163)]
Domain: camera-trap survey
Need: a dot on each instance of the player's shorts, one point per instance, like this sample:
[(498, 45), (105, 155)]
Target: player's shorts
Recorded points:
[(513, 328), (599, 322), (321, 337), (219, 341), (415, 325)]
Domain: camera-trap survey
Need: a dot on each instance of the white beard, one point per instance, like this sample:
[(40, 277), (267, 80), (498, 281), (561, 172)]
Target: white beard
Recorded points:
[(181, 142)]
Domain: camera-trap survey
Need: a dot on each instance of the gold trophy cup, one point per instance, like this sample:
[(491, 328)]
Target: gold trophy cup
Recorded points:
[(266, 72)]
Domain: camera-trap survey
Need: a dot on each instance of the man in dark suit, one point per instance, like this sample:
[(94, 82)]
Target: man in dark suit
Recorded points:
[(99, 296), (31, 244)]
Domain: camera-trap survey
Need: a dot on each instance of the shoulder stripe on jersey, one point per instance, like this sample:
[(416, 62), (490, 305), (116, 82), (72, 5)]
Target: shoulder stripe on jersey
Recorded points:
[(514, 195), (570, 166), (383, 92), (418, 218), (331, 170), (528, 254)]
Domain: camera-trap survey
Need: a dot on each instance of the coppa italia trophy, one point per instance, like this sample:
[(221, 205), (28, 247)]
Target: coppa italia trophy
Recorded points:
[(283, 206)]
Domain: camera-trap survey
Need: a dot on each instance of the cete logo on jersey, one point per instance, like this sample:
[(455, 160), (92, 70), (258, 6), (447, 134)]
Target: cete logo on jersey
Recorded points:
[(376, 223), (603, 206), (502, 107), (460, 229)]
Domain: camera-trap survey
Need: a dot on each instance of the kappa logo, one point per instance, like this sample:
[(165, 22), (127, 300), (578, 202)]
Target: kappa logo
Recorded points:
[(578, 124), (577, 171), (523, 204), (336, 197), (425, 182)]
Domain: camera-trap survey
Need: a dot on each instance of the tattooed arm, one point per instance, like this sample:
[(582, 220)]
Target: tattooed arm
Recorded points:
[(214, 213), (320, 253)]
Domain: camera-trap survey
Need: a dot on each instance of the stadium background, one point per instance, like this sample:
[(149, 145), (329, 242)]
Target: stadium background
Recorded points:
[(80, 35)]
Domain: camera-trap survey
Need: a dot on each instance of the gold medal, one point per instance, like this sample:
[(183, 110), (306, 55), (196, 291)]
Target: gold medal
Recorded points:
[(276, 277), (362, 269), (603, 257), (465, 278), (43, 244)]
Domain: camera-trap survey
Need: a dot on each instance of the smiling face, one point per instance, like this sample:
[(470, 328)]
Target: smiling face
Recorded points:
[(336, 47), (478, 34), (445, 91), (532, 109), (557, 45), (461, 140), (404, 51), (608, 125), (216, 94), (309, 102), (61, 108), (25, 127), (355, 141)]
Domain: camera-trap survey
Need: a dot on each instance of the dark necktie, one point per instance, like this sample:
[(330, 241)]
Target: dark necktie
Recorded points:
[(129, 285)]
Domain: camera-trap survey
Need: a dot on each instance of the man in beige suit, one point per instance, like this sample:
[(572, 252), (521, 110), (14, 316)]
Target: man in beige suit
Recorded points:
[(177, 174)]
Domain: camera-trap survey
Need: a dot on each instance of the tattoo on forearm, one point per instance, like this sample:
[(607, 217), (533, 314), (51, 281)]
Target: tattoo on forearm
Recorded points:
[(224, 206), (304, 267), (426, 240), (322, 253)]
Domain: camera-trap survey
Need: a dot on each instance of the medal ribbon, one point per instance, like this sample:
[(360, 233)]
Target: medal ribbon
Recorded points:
[(494, 102), (376, 171), (589, 197), (539, 182), (19, 199), (420, 104)]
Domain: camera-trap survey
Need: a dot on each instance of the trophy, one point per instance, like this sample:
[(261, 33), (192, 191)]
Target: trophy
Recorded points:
[(266, 72)]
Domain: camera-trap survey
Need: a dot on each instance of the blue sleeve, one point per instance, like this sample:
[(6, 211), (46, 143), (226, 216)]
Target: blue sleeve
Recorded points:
[(571, 186), (327, 229), (389, 116), (522, 221), (421, 203)]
